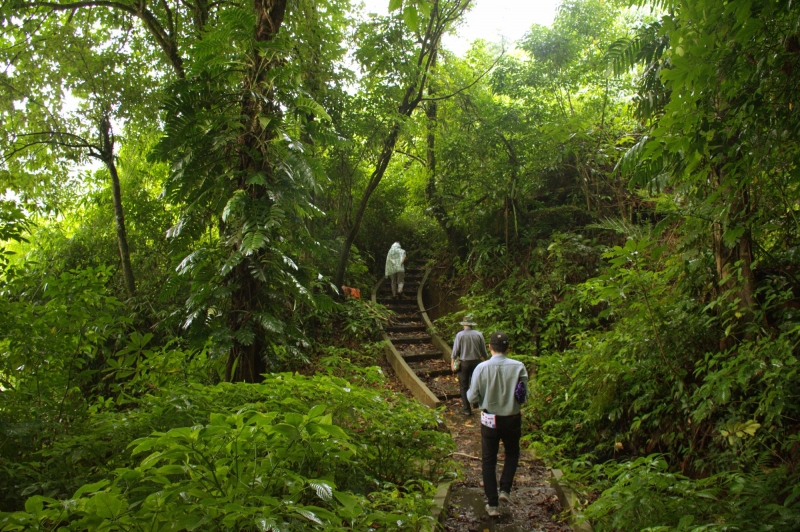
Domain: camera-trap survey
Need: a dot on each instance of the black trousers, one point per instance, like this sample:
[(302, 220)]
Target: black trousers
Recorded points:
[(509, 430), (464, 378)]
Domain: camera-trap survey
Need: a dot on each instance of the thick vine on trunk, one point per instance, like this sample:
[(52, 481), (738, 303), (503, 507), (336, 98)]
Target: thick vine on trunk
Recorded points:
[(739, 285), (247, 358)]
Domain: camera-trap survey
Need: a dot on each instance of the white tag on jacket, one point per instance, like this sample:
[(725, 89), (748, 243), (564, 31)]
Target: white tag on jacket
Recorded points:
[(489, 420)]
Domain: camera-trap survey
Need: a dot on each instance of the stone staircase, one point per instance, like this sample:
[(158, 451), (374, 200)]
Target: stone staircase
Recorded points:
[(409, 336)]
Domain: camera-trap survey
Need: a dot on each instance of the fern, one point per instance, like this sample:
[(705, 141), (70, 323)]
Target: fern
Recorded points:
[(622, 227)]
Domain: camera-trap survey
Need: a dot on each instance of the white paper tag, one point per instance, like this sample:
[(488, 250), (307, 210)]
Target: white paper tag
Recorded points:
[(490, 420)]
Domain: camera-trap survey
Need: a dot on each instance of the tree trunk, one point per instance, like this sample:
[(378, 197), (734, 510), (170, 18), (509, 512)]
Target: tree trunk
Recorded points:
[(726, 257), (454, 236), (374, 181), (107, 156), (245, 361), (122, 236)]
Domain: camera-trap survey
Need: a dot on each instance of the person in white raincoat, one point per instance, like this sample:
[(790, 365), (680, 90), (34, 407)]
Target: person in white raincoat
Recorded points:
[(394, 268)]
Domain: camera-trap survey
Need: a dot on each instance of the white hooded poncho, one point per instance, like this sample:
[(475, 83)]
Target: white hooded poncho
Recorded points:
[(394, 260)]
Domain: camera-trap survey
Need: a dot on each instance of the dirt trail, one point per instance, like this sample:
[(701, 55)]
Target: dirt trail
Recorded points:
[(535, 502)]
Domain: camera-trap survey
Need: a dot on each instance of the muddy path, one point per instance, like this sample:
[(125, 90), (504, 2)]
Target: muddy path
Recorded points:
[(535, 503)]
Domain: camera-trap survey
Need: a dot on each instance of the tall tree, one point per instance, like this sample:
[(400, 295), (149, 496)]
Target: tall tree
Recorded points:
[(717, 93), (64, 88), (239, 141), (429, 21)]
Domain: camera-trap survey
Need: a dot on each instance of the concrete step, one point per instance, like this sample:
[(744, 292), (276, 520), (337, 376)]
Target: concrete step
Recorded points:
[(399, 327), (448, 395), (385, 298), (408, 289), (423, 374), (411, 339), (414, 356), (388, 301), (398, 318), (408, 278), (405, 306)]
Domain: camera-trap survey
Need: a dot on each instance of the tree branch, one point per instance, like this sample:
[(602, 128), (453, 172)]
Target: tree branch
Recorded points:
[(170, 22), (55, 6), (412, 157), (459, 91), (156, 29), (52, 138)]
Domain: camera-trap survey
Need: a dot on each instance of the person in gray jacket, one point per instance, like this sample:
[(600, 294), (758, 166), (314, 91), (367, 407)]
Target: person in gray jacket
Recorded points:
[(499, 386), (470, 347)]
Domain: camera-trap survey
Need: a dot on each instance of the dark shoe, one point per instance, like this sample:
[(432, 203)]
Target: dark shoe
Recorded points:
[(466, 412)]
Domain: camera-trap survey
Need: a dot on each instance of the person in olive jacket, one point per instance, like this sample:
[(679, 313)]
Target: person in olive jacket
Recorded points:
[(470, 348)]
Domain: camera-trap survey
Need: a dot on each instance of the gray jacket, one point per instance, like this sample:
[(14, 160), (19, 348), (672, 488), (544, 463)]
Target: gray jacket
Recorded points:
[(470, 345)]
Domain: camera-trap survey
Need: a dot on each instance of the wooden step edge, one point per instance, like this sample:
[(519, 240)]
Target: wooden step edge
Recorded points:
[(431, 352)]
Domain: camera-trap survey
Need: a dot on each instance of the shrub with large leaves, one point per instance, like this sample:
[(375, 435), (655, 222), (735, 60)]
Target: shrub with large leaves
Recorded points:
[(292, 453)]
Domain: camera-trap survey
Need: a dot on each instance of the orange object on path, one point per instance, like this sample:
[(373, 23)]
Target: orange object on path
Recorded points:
[(349, 291)]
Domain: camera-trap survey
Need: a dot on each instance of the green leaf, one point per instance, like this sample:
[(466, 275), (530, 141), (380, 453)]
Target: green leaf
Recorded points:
[(35, 505), (751, 426), (323, 490), (142, 444), (150, 461), (171, 469), (316, 411), (348, 500), (394, 5), (91, 488), (311, 516), (731, 236), (108, 505), (411, 18), (293, 418), (190, 522), (334, 431), (311, 107), (287, 430)]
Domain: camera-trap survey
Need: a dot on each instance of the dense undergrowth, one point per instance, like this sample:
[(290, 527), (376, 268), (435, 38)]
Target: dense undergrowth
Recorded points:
[(103, 428), (667, 409), (290, 453)]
